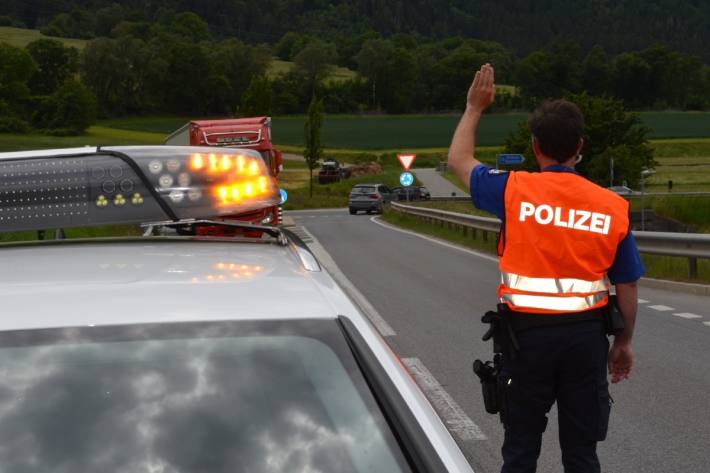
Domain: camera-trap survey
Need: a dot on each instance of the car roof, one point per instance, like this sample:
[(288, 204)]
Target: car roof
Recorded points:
[(125, 282)]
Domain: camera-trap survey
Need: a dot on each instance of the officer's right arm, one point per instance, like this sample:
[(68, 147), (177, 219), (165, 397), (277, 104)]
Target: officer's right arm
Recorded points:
[(461, 158)]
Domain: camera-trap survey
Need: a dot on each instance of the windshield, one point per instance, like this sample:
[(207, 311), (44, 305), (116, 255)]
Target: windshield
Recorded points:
[(207, 397), (363, 190)]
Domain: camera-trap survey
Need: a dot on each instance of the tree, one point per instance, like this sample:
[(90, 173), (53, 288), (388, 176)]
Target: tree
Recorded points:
[(311, 129), (187, 25), (77, 24), (631, 79), (238, 63), (74, 108), (290, 45), (610, 132), (16, 68), (391, 72), (596, 72), (453, 76), (127, 75), (549, 73), (56, 63), (107, 18), (315, 62), (256, 101)]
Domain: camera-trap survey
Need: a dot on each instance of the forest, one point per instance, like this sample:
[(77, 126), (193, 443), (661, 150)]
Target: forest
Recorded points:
[(213, 57)]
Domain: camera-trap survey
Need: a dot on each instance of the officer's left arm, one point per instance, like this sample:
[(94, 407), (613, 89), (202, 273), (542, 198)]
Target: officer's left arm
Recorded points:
[(480, 96)]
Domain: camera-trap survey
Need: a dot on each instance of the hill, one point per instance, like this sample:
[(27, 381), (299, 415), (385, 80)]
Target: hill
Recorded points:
[(524, 25)]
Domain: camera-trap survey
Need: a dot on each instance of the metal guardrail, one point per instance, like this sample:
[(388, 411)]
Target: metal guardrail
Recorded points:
[(459, 198), (685, 245)]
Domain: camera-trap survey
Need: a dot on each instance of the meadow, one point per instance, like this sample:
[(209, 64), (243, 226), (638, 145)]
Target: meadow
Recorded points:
[(20, 37), (398, 132)]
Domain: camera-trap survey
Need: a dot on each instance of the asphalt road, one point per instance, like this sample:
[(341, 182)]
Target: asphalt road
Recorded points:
[(437, 185), (432, 296)]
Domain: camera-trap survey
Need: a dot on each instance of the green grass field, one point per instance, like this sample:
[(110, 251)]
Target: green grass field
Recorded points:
[(95, 136), (20, 37), (278, 66), (433, 132)]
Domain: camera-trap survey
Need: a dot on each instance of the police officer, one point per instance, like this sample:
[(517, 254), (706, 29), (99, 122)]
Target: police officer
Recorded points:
[(563, 241)]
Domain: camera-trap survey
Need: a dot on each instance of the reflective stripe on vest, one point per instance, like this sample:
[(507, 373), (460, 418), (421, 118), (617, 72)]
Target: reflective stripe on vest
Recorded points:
[(552, 285), (556, 304)]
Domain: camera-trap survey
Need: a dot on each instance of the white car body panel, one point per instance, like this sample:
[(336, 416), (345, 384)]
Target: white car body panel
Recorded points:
[(163, 280)]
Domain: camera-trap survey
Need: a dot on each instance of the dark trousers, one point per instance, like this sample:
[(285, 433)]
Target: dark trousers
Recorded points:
[(564, 363)]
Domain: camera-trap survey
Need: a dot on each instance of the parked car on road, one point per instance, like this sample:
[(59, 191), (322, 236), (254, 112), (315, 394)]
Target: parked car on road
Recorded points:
[(411, 193), (369, 197), (164, 348)]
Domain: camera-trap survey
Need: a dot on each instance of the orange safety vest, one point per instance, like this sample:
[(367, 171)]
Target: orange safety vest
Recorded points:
[(560, 238)]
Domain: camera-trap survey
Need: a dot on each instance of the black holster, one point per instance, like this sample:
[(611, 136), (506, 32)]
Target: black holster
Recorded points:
[(613, 320), (488, 372), (505, 345)]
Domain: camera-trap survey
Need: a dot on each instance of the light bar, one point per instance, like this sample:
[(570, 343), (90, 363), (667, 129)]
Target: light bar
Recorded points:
[(90, 186)]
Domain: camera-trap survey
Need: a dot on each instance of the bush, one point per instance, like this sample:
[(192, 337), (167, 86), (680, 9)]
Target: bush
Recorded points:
[(13, 125), (10, 21), (68, 111)]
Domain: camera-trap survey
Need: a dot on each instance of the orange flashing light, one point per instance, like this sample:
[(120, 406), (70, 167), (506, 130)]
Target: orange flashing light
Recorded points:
[(253, 168), (214, 165), (197, 162), (226, 162)]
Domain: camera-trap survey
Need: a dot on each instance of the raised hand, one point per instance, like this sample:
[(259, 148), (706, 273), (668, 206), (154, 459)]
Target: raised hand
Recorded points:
[(483, 90)]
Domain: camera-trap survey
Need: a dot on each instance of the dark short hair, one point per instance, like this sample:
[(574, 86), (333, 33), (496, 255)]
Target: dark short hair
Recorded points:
[(557, 125)]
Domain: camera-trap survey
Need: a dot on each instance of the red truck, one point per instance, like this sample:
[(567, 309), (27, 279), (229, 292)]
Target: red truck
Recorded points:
[(251, 133)]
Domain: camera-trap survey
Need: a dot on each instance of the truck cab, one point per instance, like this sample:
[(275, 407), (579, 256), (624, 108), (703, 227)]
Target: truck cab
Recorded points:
[(242, 133)]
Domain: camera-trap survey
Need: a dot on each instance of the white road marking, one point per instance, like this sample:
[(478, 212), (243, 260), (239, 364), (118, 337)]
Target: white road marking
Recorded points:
[(307, 211), (435, 240), (688, 315), (643, 301), (661, 308), (326, 260), (707, 323), (453, 416)]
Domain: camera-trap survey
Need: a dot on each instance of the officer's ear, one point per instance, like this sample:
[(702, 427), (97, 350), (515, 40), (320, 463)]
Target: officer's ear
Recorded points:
[(579, 147), (535, 146)]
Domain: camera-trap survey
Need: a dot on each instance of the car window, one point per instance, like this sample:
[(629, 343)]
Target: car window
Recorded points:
[(363, 190), (227, 396), (384, 189)]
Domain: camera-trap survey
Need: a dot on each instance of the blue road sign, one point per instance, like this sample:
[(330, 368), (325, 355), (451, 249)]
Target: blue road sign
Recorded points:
[(508, 159), (284, 197), (406, 179)]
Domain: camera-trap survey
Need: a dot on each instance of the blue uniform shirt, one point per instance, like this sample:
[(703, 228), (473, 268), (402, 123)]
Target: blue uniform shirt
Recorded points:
[(488, 193)]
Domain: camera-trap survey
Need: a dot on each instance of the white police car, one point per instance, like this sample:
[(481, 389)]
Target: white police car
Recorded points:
[(180, 351)]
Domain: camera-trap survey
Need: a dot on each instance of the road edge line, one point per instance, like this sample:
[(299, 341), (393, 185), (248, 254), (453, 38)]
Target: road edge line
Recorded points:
[(454, 417), (434, 240)]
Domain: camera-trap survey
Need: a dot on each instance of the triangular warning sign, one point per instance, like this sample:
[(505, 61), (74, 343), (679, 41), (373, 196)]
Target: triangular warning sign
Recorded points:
[(406, 160)]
